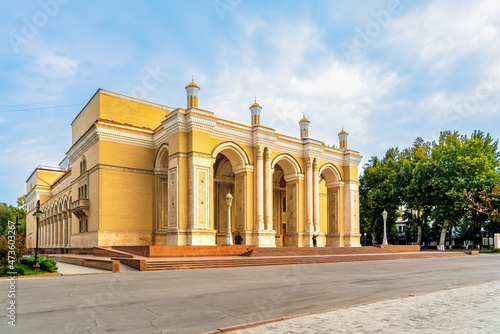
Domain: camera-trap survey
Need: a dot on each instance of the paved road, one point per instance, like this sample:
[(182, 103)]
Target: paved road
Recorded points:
[(195, 301)]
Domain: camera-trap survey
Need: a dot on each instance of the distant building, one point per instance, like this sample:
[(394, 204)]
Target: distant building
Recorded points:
[(140, 173)]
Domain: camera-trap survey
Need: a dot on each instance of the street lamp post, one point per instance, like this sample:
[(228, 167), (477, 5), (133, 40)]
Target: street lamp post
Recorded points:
[(482, 237), (38, 213), (229, 235), (384, 215), (18, 225)]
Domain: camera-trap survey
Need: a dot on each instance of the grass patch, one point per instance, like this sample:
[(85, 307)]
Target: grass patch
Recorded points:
[(26, 270)]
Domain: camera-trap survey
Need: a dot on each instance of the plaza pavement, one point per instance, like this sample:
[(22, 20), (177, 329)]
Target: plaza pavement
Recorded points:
[(197, 301), (466, 310)]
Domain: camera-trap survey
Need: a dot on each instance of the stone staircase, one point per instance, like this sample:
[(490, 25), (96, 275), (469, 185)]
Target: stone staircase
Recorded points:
[(249, 261), (309, 251)]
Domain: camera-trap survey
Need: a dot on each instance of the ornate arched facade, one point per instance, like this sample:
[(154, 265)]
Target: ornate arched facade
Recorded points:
[(149, 174)]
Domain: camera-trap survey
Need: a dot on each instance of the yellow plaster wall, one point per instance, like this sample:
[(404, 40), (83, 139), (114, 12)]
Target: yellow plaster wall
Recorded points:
[(200, 142), (46, 177), (93, 194), (124, 111), (91, 156), (126, 155), (85, 119), (351, 173), (182, 189), (126, 201)]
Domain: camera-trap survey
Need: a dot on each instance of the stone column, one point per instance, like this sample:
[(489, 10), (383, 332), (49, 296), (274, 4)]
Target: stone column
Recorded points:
[(44, 232), (60, 231), (316, 196), (68, 240), (49, 228), (58, 227), (268, 191), (54, 222), (309, 195), (47, 233), (53, 232), (64, 227), (260, 188), (351, 214)]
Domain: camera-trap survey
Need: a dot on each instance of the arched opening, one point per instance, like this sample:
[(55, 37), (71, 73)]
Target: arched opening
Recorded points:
[(279, 205), (162, 193), (286, 176), (224, 183), (329, 204), (230, 176)]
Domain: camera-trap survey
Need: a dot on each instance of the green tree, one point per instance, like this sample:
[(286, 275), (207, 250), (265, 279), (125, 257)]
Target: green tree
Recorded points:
[(414, 185), (378, 192), (460, 162)]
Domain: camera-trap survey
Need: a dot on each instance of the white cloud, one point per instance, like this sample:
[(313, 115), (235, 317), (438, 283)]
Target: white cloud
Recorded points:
[(445, 32), (300, 76)]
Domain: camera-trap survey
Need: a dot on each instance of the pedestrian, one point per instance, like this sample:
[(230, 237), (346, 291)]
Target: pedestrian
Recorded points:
[(238, 239), (314, 240)]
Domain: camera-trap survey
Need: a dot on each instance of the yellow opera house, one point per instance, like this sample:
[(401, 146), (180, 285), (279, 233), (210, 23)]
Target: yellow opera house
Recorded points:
[(141, 173)]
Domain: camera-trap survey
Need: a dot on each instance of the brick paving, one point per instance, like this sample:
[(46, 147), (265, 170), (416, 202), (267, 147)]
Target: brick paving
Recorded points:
[(472, 309)]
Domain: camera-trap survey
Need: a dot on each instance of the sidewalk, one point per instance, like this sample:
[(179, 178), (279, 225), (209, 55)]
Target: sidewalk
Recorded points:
[(73, 269), (472, 309)]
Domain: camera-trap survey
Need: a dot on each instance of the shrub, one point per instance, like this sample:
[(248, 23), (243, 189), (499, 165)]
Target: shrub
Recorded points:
[(4, 271), (19, 270), (18, 245), (47, 264)]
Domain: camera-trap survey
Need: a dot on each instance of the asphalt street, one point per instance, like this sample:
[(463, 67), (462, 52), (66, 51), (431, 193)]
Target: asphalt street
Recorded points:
[(195, 301)]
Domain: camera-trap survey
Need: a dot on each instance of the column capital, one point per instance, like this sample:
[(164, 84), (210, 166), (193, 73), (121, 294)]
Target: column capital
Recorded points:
[(309, 162), (268, 154), (259, 152), (315, 164)]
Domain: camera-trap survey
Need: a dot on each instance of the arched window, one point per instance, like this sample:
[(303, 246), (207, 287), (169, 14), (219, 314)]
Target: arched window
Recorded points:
[(85, 191), (83, 165), (79, 192)]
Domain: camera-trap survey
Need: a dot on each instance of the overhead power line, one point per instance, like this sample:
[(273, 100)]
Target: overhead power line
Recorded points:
[(43, 108)]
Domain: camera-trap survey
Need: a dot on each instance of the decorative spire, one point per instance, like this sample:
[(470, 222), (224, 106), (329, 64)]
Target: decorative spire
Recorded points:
[(192, 94), (343, 138), (304, 127), (255, 110)]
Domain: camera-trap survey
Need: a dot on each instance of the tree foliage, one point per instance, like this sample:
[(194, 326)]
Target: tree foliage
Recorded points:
[(9, 212), (426, 183)]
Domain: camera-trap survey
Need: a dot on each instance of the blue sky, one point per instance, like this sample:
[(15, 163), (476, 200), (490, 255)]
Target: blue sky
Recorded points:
[(388, 71)]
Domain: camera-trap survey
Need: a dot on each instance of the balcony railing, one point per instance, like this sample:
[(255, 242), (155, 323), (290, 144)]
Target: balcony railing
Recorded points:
[(80, 207)]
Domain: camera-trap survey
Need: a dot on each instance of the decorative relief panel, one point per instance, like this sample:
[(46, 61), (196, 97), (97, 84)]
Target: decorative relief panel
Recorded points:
[(172, 198), (333, 211), (276, 208), (239, 205), (163, 200), (222, 219), (202, 201), (291, 207), (355, 212)]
